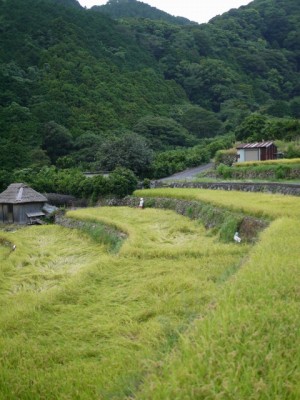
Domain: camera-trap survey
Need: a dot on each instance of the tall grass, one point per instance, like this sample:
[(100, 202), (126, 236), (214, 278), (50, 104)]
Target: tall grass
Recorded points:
[(282, 161), (45, 258), (77, 322), (257, 204), (155, 233), (175, 314), (249, 347), (109, 236)]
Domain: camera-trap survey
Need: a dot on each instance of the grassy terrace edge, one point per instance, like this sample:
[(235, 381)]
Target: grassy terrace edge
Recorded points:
[(255, 204), (98, 330), (220, 222), (252, 339), (165, 318)]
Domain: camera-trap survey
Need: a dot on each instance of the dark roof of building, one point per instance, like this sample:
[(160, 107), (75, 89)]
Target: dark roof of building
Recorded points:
[(256, 145), (18, 193)]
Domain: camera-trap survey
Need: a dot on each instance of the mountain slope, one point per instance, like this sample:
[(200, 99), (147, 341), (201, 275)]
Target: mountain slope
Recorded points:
[(68, 3), (75, 67), (137, 9), (71, 79)]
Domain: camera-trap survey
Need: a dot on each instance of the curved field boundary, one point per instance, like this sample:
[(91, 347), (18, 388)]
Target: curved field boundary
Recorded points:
[(174, 315), (249, 348), (78, 322), (221, 220), (256, 204)]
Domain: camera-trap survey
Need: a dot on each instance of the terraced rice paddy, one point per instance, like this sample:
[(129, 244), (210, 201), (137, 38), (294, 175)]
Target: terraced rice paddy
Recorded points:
[(175, 314)]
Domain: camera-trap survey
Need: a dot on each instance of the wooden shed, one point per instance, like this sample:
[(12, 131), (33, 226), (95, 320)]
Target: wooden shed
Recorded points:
[(20, 204), (257, 151)]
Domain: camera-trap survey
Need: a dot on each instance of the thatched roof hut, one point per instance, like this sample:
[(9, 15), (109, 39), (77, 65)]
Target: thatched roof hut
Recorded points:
[(19, 203)]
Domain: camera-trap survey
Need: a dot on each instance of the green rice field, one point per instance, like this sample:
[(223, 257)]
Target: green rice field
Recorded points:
[(174, 314)]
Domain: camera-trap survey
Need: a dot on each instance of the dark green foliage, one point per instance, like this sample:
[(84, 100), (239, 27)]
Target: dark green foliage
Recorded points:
[(169, 162), (198, 121), (172, 161), (285, 128), (98, 186), (130, 151), (293, 151), (282, 171), (137, 9), (278, 108), (77, 69), (122, 182), (252, 128), (209, 82), (295, 107), (57, 140), (219, 143), (146, 183), (5, 179), (224, 171), (258, 127), (18, 136), (70, 78), (163, 132)]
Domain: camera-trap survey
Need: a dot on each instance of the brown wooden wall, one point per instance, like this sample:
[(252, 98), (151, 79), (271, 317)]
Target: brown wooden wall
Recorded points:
[(268, 153)]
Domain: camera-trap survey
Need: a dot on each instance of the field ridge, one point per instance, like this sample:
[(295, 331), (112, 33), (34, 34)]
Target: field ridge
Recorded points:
[(176, 313)]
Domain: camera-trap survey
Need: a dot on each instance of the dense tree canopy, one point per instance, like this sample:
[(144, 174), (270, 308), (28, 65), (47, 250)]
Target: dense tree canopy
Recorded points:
[(198, 121), (163, 132), (137, 9), (128, 151), (71, 79)]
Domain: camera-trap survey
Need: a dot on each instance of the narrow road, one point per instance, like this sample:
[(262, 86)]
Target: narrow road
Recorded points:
[(187, 174)]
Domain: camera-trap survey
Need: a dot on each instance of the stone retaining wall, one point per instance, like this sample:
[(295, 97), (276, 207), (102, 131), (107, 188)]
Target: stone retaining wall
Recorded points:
[(283, 188), (222, 220)]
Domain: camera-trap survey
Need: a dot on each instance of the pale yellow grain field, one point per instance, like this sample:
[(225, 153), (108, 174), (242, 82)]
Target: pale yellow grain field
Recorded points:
[(174, 314)]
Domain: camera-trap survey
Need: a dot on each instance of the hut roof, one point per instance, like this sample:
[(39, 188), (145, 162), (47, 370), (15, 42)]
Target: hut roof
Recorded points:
[(256, 145), (18, 193)]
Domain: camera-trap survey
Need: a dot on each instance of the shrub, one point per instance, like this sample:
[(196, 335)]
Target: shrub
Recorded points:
[(227, 157), (122, 182), (293, 151), (146, 183), (224, 171), (282, 171)]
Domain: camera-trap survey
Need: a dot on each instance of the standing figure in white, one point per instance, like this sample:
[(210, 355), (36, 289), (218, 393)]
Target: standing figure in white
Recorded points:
[(236, 237), (141, 205)]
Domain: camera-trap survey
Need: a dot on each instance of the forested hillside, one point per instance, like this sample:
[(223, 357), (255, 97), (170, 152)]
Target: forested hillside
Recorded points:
[(137, 9), (75, 83)]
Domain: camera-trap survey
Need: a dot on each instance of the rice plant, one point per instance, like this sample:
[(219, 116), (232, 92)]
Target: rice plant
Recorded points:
[(282, 161), (81, 323), (257, 204), (175, 314), (249, 347)]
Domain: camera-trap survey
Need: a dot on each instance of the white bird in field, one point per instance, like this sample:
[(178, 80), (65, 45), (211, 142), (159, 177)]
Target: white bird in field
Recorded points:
[(14, 247), (236, 237)]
